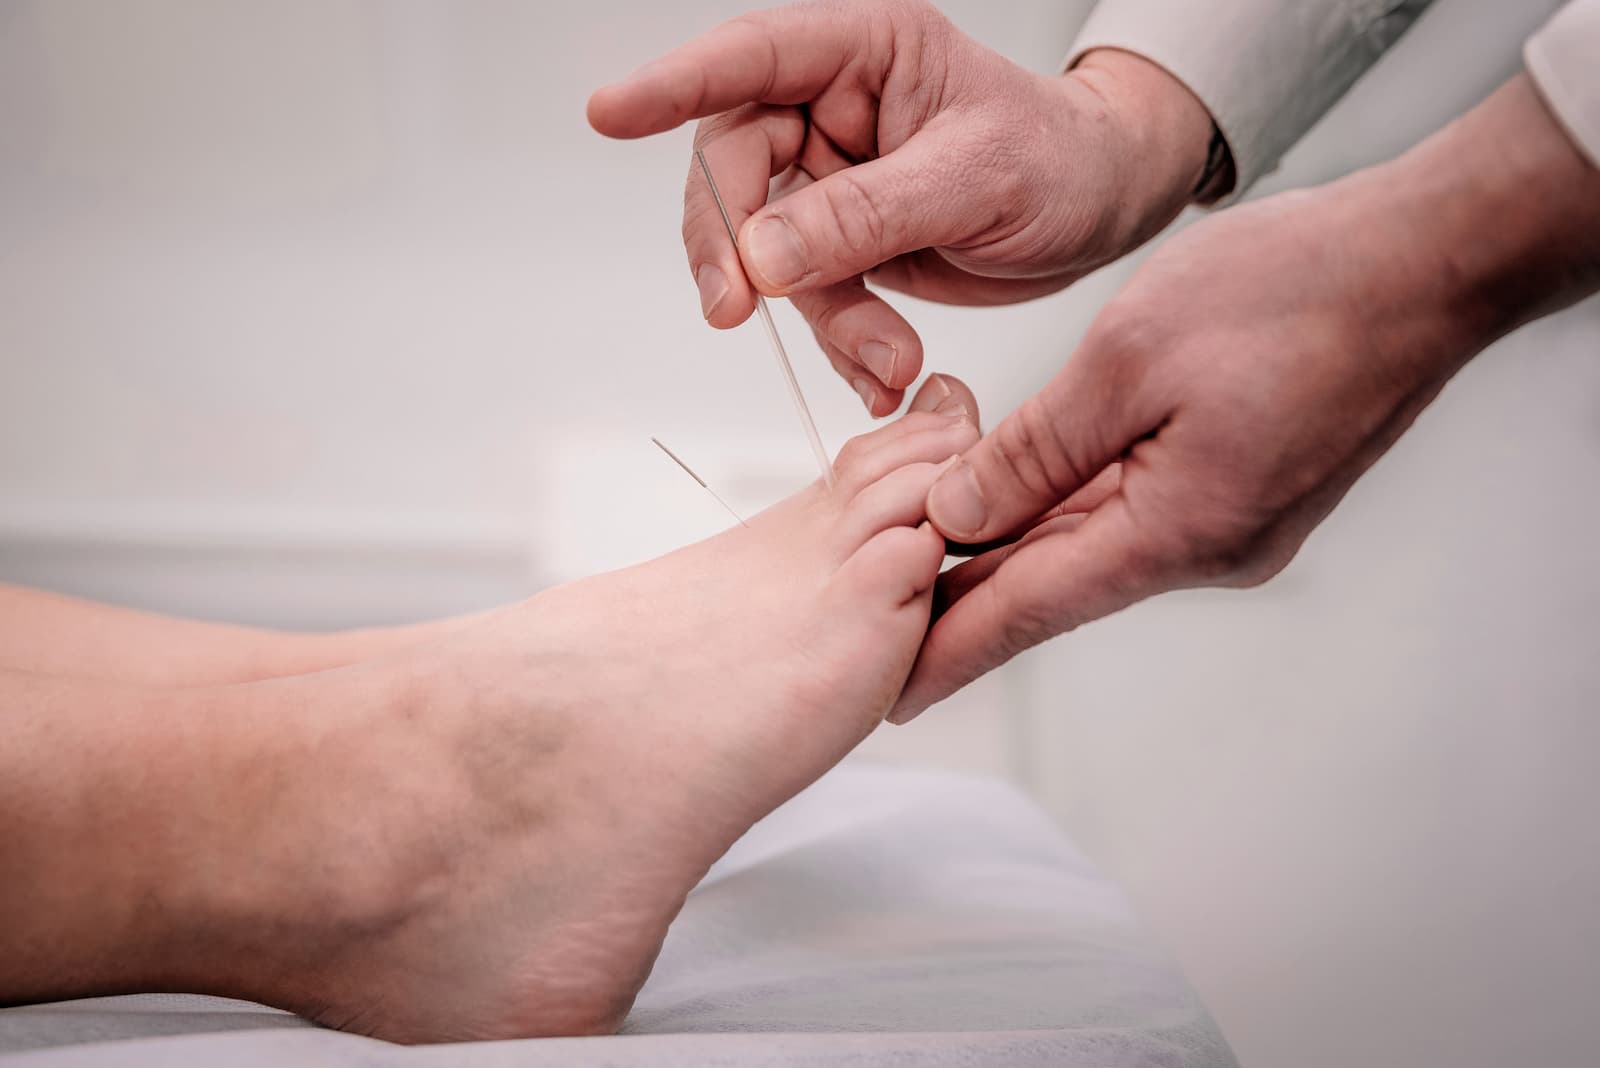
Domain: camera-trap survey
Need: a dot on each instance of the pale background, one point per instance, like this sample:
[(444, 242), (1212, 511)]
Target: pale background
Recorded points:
[(325, 313)]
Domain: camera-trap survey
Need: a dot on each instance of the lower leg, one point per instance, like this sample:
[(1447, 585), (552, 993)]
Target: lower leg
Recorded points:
[(51, 634), (145, 834)]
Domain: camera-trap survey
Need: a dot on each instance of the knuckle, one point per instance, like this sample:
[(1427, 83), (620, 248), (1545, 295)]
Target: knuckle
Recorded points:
[(860, 223), (702, 222), (1026, 625), (1031, 450), (690, 100), (696, 221), (757, 26), (824, 316), (817, 335), (1011, 186), (709, 130), (921, 16), (1122, 331)]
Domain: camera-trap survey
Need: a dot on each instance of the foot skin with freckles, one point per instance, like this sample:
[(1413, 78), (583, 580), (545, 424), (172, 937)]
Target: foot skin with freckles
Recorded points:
[(580, 760)]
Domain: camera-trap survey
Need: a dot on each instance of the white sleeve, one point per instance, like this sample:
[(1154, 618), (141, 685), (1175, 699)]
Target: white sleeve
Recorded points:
[(1266, 69), (1564, 61)]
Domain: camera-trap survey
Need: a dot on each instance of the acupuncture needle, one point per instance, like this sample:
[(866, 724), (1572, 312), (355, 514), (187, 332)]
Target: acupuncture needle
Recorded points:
[(800, 406), (690, 471)]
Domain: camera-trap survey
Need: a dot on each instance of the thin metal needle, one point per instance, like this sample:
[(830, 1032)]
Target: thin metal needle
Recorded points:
[(700, 480), (806, 421)]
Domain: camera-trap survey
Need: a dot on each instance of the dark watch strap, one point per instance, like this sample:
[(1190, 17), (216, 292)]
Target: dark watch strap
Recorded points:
[(1218, 177)]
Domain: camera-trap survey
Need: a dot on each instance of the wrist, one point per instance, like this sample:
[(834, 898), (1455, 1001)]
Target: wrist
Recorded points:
[(1488, 224), (1167, 130)]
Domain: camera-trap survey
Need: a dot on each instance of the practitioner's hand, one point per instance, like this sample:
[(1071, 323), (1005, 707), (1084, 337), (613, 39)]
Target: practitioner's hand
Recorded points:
[(1250, 372), (908, 153)]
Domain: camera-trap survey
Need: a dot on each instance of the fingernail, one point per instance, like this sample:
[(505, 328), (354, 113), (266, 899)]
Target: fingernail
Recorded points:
[(867, 392), (878, 357), (713, 286), (775, 252), (956, 504), (933, 394), (899, 717)]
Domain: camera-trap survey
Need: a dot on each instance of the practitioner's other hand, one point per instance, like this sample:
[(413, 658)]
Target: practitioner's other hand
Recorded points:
[(1247, 375), (908, 154)]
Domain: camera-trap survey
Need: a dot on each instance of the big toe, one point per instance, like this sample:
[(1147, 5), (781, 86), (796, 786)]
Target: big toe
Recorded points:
[(945, 393), (942, 421), (895, 569)]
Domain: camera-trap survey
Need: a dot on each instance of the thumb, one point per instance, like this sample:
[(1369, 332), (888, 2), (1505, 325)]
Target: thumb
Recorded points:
[(1086, 418), (1061, 576), (854, 219)]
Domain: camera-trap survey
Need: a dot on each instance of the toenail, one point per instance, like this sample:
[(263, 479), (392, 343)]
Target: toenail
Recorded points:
[(879, 358), (956, 504), (934, 392), (775, 252), (953, 405), (713, 285), (866, 390)]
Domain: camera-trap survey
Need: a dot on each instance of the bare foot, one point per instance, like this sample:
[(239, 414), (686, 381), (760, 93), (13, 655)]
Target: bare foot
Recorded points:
[(576, 763)]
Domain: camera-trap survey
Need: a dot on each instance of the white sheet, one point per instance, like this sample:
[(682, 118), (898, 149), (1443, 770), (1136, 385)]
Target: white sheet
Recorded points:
[(885, 916)]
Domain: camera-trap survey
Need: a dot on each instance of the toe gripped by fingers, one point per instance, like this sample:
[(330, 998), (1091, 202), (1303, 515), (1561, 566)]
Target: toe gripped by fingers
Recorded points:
[(922, 437), (896, 567), (896, 500), (941, 422)]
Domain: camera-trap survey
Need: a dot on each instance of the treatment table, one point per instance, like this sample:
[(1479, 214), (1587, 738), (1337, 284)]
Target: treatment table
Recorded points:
[(884, 916)]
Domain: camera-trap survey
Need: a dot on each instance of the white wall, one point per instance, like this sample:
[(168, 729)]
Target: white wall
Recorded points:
[(317, 313)]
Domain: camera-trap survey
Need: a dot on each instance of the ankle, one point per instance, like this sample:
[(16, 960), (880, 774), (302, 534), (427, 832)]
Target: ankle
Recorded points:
[(307, 836)]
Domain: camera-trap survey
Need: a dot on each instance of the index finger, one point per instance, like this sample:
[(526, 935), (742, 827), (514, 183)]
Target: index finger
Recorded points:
[(788, 55), (745, 148)]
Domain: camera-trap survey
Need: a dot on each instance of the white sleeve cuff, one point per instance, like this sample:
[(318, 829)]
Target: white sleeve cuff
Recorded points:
[(1266, 69), (1563, 59)]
